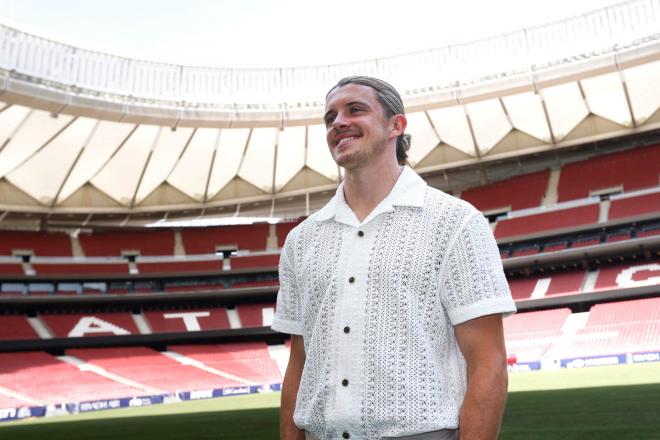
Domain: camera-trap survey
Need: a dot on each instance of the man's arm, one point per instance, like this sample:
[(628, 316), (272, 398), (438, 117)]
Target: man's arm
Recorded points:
[(288, 429), (482, 342)]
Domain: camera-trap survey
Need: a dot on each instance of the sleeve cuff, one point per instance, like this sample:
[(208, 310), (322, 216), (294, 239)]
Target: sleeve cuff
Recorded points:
[(286, 326), (503, 305)]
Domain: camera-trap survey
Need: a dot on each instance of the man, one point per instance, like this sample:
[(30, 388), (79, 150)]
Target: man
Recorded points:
[(393, 294)]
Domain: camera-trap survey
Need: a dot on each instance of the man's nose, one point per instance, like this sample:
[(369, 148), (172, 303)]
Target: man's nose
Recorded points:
[(339, 121)]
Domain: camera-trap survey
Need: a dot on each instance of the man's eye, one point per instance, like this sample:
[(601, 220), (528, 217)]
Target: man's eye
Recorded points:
[(356, 109)]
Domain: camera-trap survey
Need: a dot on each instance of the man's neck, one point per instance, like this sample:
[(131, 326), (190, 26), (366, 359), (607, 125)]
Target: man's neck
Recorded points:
[(366, 187)]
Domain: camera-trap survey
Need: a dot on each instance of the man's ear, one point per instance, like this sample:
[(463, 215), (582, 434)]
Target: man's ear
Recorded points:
[(399, 124)]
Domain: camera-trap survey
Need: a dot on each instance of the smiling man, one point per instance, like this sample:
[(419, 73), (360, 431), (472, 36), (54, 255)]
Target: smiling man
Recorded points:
[(393, 294)]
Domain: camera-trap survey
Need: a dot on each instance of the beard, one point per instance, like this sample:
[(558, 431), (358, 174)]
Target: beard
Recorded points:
[(362, 154)]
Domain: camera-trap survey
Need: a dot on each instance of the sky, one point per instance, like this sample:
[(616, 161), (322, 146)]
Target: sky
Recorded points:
[(277, 33)]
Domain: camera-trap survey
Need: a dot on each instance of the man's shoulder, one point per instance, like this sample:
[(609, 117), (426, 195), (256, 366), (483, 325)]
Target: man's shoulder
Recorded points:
[(302, 227), (442, 202)]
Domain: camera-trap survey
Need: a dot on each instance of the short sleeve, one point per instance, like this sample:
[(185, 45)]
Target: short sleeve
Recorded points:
[(288, 313), (473, 281)]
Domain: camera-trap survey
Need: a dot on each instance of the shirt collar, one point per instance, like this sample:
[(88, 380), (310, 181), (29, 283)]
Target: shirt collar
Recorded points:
[(409, 190)]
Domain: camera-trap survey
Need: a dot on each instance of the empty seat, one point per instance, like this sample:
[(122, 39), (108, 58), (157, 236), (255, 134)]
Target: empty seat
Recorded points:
[(242, 237), (634, 206), (520, 192), (114, 243), (632, 169), (547, 221), (42, 244)]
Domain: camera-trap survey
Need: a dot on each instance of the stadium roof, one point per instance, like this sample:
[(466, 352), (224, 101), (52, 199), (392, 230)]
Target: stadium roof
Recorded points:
[(95, 137)]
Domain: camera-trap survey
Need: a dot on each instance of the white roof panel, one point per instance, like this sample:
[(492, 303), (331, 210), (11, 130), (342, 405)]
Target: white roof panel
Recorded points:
[(453, 128), (423, 136), (644, 91), (526, 113), (53, 162), (10, 119), (257, 166), (290, 154), (228, 159), (489, 122), (38, 128), (566, 108), (163, 159), (606, 98), (119, 177), (191, 171), (104, 141)]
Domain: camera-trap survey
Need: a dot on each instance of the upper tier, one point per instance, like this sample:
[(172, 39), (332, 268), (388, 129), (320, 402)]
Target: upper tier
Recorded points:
[(88, 138)]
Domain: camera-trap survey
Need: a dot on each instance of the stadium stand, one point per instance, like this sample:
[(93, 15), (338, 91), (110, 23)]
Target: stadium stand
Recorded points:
[(516, 193), (256, 315), (118, 267), (629, 274), (72, 325), (633, 169), (16, 327), (250, 360), (8, 402), (271, 260), (635, 206), (547, 221), (282, 230), (43, 377), (42, 244), (11, 269), (197, 287), (529, 335), (149, 367), (180, 266), (114, 243), (187, 320), (206, 240), (615, 328)]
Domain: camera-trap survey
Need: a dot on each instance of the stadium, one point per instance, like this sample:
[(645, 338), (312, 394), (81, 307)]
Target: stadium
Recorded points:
[(144, 205)]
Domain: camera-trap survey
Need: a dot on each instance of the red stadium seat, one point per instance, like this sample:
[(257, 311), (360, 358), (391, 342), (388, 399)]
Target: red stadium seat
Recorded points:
[(112, 244), (244, 237), (530, 335), (634, 206), (42, 244), (16, 327), (180, 266), (632, 169), (81, 268), (149, 367), (547, 221), (47, 379), (520, 192), (187, 320), (90, 324)]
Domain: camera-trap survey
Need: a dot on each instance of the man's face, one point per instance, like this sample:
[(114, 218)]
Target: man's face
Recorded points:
[(357, 129)]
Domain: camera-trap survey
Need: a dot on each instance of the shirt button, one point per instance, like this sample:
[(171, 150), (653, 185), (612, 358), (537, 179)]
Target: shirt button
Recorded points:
[(344, 382), (351, 280), (347, 329), (360, 234), (345, 435)]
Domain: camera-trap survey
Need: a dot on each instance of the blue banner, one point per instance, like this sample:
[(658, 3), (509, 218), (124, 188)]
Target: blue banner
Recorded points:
[(593, 361), (21, 413)]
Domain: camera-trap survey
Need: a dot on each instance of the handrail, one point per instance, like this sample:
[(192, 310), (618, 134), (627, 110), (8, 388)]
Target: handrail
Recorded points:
[(118, 78)]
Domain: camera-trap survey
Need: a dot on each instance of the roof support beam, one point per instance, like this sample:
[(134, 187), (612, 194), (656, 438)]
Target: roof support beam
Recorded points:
[(145, 166), (73, 165)]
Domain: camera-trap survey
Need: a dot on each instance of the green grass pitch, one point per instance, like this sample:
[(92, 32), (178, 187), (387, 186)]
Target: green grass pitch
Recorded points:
[(601, 403)]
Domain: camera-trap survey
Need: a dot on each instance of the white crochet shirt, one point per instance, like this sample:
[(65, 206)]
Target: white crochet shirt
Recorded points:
[(376, 303)]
